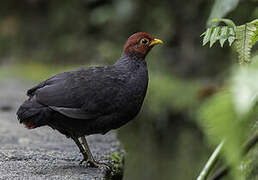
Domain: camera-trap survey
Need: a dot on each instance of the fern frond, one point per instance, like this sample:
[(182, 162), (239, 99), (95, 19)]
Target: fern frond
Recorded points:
[(215, 35), (243, 43), (231, 37), (254, 23), (246, 36), (243, 37), (207, 35), (221, 33)]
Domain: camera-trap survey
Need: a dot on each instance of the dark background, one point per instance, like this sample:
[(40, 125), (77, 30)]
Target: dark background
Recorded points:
[(39, 38)]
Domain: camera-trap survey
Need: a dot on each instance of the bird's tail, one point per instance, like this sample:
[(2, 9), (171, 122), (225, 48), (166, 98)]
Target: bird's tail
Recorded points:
[(33, 114)]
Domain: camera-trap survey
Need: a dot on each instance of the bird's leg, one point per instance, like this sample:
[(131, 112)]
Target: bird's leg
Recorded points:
[(84, 153), (91, 161)]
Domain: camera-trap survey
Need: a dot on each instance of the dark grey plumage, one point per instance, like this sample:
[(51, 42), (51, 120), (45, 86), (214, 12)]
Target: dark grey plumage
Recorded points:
[(88, 100)]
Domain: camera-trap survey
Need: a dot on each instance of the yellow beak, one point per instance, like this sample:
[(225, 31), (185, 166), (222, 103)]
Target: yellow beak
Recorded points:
[(155, 42)]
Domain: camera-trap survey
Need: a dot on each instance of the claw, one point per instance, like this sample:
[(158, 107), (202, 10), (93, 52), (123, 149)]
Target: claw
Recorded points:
[(83, 160), (99, 164), (95, 164)]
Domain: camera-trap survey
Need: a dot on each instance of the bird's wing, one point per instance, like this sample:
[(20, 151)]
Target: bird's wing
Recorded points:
[(76, 113), (47, 82), (81, 94)]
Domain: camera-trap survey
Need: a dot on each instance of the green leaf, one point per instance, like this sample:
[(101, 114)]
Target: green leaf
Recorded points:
[(255, 38), (244, 89), (223, 35), (206, 38), (254, 23), (246, 36), (243, 43), (203, 34), (214, 35), (231, 37), (220, 121)]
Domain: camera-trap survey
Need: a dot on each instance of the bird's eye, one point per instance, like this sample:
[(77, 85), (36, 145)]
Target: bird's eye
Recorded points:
[(144, 41)]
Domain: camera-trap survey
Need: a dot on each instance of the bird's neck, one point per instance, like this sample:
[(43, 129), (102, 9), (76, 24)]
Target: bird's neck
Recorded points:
[(130, 60)]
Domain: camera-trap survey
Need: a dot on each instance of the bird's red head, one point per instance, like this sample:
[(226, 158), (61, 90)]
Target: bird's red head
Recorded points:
[(140, 44)]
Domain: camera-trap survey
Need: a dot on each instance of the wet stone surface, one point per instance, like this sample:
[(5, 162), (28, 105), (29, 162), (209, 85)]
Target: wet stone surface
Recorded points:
[(43, 153)]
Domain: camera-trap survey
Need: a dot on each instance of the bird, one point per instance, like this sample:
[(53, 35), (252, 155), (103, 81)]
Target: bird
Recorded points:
[(92, 100)]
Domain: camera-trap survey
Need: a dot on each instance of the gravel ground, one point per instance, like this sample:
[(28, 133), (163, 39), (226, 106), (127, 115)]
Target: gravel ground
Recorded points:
[(43, 153)]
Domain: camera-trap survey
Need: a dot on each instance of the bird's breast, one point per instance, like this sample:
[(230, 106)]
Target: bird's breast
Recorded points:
[(137, 87)]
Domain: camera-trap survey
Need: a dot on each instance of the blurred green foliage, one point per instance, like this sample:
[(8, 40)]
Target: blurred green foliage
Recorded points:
[(221, 8), (230, 115)]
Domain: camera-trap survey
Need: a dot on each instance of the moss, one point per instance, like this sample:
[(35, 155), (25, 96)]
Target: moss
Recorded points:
[(117, 169)]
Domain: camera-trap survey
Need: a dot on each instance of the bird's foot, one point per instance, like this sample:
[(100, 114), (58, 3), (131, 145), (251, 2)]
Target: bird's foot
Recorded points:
[(95, 164), (83, 160)]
